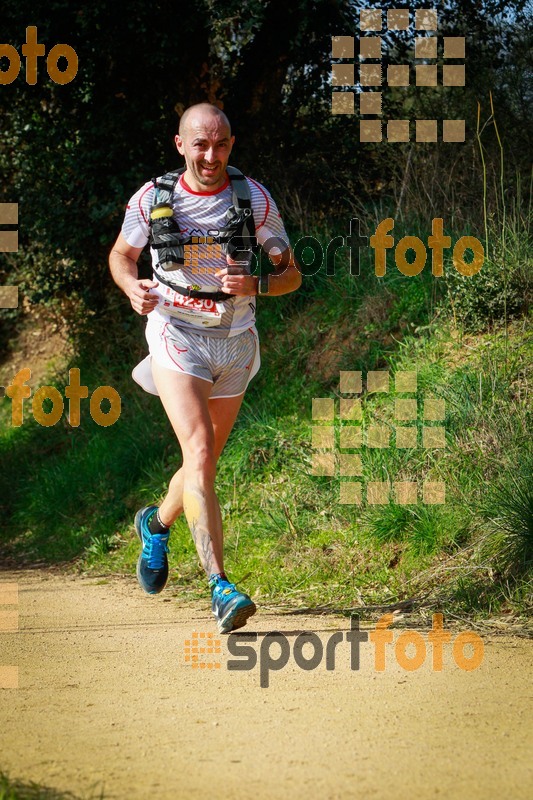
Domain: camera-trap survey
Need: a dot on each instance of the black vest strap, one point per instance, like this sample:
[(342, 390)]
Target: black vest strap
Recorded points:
[(216, 296), (237, 237)]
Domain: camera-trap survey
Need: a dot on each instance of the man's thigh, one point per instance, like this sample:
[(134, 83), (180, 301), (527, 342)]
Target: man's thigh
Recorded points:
[(185, 399), (195, 418), (223, 412)]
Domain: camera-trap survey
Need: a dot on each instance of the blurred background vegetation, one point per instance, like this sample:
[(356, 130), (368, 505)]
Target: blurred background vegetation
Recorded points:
[(72, 155)]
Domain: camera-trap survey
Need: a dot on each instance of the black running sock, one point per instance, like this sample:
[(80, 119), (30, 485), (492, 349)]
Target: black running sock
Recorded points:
[(155, 525), (221, 575)]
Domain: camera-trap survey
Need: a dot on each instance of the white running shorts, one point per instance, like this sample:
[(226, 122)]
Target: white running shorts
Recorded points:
[(228, 363)]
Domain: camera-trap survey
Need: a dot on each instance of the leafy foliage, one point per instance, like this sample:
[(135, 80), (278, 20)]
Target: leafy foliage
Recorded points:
[(71, 155)]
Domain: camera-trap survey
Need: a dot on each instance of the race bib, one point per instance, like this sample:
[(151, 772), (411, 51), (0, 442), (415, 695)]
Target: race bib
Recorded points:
[(195, 310)]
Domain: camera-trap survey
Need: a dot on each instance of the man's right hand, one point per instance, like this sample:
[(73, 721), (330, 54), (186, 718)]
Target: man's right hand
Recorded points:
[(142, 300)]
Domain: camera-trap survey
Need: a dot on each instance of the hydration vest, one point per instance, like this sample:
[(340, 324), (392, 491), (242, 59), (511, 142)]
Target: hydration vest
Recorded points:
[(237, 237)]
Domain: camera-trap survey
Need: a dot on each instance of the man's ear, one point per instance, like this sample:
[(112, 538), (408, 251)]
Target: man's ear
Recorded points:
[(179, 143)]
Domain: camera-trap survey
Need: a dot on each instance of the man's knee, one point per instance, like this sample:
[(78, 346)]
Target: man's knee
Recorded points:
[(200, 459)]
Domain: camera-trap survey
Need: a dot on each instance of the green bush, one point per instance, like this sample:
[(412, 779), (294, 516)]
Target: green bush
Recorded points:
[(508, 511), (500, 291)]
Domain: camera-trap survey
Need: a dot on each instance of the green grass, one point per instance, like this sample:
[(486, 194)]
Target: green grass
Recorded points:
[(11, 789), (508, 511), (288, 539)]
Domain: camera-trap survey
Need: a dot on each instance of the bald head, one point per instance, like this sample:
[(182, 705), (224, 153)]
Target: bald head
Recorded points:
[(205, 141), (200, 114)]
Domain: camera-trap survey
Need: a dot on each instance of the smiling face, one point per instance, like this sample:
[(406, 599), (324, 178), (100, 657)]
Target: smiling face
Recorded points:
[(205, 140)]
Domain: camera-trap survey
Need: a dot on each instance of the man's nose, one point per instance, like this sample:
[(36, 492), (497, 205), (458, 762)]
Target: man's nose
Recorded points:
[(210, 155)]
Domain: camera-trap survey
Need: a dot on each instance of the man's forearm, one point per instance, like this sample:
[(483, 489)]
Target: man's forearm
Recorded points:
[(285, 281), (123, 270), (287, 277)]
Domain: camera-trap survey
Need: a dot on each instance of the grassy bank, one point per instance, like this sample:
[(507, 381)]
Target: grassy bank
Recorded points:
[(11, 789), (69, 495)]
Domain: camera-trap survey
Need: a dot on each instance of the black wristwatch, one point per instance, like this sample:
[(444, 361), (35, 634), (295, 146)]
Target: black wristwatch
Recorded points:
[(263, 284)]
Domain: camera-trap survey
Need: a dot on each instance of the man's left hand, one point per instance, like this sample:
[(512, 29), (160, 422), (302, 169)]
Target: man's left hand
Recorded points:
[(235, 279)]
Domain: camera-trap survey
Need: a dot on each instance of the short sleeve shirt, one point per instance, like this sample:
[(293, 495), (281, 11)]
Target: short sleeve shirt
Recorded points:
[(197, 213)]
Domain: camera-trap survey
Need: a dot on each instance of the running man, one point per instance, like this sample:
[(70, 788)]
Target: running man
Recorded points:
[(203, 344)]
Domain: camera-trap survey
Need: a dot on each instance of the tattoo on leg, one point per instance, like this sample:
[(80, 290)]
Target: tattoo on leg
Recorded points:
[(196, 514), (206, 553), (204, 547)]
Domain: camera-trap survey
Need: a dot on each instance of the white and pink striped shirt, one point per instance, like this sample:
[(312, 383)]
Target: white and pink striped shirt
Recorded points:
[(197, 213)]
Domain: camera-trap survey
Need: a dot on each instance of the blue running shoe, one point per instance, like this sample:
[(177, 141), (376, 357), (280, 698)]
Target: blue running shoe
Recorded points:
[(231, 608), (152, 565)]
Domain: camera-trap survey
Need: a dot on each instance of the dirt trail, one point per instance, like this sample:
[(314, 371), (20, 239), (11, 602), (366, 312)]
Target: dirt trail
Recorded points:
[(107, 700)]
